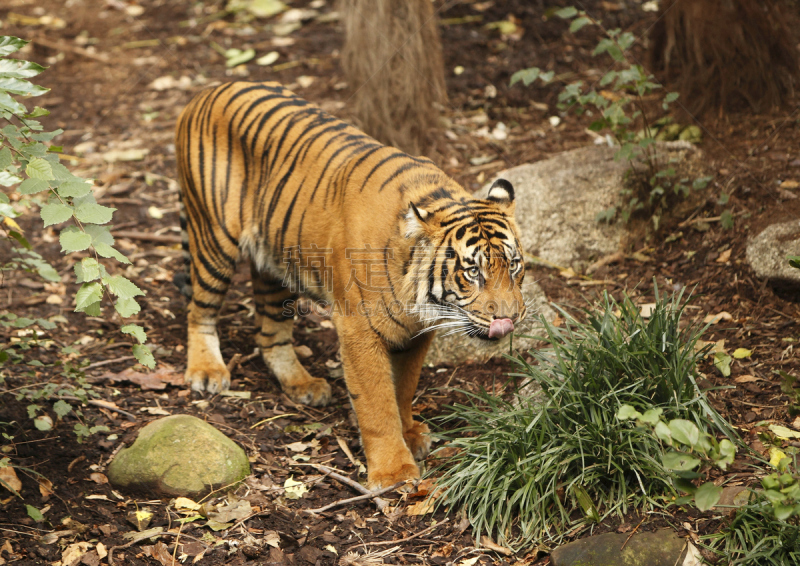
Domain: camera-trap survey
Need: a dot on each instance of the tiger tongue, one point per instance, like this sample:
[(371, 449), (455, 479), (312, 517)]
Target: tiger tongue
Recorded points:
[(500, 327)]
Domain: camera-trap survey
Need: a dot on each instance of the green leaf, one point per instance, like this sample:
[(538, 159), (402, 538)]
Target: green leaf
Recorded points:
[(726, 219), (722, 362), (100, 235), (671, 97), (627, 412), (782, 512), (40, 168), (685, 432), (651, 416), (34, 513), (794, 261), (123, 287), (9, 104), (62, 408), (94, 213), (93, 309), (144, 356), (678, 462), (32, 186), (21, 87), (567, 13), (127, 307), (16, 68), (55, 213), (10, 44), (48, 272), (87, 270), (88, 294), (104, 250), (663, 433), (5, 158), (707, 495), (74, 189), (578, 23), (74, 240), (237, 56), (136, 331), (43, 423), (527, 76)]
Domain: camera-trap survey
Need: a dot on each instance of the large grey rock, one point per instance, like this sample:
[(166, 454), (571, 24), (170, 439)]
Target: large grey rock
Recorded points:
[(558, 200), (457, 349), (557, 204), (179, 455), (660, 548), (766, 253)]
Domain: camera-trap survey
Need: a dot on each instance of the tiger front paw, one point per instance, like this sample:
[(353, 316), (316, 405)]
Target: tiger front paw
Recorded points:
[(380, 478), (212, 379), (315, 392), (418, 440)]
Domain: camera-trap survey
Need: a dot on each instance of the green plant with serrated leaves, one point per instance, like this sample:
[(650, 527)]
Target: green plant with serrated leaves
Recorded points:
[(618, 102), (32, 177)]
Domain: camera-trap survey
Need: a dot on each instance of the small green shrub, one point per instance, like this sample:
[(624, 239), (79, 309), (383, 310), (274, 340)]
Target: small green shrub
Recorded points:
[(32, 178), (618, 103), (535, 469)]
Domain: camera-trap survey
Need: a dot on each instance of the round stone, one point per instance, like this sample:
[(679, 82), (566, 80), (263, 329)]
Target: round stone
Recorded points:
[(179, 455)]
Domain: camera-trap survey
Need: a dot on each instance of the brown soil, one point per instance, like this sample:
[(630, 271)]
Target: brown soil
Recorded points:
[(113, 105)]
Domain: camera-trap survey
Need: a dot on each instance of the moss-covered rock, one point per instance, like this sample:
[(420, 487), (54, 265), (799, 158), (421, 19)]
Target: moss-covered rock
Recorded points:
[(659, 548), (176, 456)]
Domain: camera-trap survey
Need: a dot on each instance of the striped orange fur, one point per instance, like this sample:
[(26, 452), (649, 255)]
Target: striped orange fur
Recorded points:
[(391, 243)]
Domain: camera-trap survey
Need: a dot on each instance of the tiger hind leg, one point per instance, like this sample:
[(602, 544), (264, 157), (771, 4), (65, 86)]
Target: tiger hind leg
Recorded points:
[(211, 277), (274, 321)]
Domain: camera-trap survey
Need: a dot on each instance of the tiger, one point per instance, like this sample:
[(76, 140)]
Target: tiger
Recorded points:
[(393, 246)]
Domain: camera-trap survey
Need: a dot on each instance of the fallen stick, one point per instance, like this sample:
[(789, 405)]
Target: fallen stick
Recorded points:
[(58, 46), (145, 237), (106, 362), (370, 495), (381, 504), (406, 539)]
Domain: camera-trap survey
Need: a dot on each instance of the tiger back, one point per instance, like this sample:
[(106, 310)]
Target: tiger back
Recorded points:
[(391, 244)]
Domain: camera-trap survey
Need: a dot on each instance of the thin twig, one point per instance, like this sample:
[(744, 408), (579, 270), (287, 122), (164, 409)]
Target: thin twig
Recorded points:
[(381, 504), (59, 46), (107, 362), (633, 532), (145, 237), (139, 538), (419, 534), (99, 403), (369, 495)]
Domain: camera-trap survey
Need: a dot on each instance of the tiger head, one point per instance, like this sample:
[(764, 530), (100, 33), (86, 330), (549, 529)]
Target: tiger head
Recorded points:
[(466, 265)]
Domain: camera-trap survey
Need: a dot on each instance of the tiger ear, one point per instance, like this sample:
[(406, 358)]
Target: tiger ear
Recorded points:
[(502, 193), (416, 221)]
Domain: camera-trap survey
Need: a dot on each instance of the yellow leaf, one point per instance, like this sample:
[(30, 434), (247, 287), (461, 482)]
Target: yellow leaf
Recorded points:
[(775, 456), (12, 224), (740, 353), (294, 489), (715, 318), (186, 503), (783, 433), (421, 508)]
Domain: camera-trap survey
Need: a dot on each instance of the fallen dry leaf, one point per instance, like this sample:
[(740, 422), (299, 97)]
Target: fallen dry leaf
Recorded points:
[(746, 379), (98, 478), (646, 310), (9, 479), (421, 508), (235, 511), (491, 545), (303, 351), (45, 487), (155, 380), (715, 318), (724, 257), (73, 553), (160, 552)]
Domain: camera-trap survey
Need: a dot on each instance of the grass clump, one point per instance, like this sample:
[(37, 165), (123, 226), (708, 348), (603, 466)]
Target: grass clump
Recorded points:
[(537, 469)]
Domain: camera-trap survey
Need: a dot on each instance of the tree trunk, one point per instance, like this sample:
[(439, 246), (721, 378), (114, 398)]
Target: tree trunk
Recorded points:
[(392, 59), (724, 54)]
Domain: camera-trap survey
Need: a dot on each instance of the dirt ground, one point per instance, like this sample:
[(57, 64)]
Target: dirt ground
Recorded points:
[(120, 72)]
